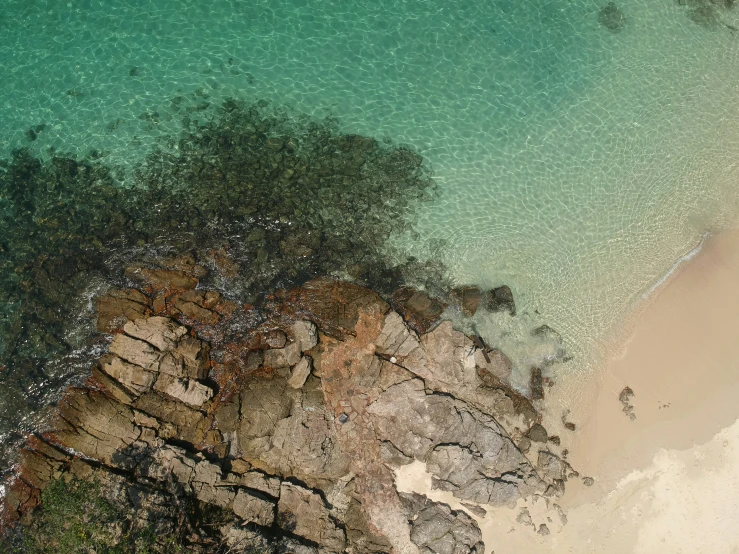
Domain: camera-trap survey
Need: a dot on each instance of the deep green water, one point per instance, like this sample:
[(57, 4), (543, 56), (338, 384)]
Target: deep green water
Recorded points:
[(574, 163)]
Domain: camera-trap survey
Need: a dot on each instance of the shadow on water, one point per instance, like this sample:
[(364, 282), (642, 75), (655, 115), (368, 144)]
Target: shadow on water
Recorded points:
[(283, 197)]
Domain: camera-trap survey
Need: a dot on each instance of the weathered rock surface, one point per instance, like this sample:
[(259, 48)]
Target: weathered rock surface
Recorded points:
[(293, 428), (304, 513), (437, 529), (465, 450), (116, 307)]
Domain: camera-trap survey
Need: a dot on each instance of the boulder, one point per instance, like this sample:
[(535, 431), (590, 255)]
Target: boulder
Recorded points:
[(419, 310), (537, 433), (552, 466), (501, 300), (469, 299), (300, 373), (282, 357), (305, 334)]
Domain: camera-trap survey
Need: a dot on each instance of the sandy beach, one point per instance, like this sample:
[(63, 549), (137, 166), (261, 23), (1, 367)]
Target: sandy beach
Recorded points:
[(666, 479)]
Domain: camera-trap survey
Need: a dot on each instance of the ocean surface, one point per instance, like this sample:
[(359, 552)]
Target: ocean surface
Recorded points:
[(581, 147)]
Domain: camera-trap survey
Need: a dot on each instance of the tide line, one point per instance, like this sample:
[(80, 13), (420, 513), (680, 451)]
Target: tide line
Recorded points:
[(680, 261)]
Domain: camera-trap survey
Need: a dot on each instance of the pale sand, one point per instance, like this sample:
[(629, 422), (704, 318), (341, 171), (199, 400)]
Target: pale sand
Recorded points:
[(667, 481)]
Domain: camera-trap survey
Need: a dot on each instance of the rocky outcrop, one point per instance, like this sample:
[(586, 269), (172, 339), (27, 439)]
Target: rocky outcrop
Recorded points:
[(294, 426)]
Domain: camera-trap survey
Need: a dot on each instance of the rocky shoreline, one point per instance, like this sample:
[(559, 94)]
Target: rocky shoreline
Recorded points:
[(289, 420)]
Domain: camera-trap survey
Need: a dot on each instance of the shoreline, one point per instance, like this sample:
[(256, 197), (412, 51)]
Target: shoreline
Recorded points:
[(689, 327), (666, 480)]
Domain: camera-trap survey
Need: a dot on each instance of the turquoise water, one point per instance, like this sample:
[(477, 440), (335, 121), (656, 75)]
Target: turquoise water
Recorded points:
[(575, 164)]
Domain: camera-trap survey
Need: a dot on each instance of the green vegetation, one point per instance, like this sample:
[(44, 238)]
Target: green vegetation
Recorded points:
[(76, 518)]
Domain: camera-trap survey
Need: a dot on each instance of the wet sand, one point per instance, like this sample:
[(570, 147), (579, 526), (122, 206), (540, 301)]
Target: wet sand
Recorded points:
[(668, 480)]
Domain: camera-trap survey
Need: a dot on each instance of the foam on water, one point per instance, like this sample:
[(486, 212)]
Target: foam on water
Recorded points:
[(576, 164)]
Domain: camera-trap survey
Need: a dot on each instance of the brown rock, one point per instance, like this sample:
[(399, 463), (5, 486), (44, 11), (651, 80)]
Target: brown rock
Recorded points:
[(501, 300), (536, 384), (418, 309), (289, 431), (161, 279), (102, 381), (116, 307), (537, 433), (304, 513), (94, 425), (282, 357), (133, 377), (305, 334), (253, 508), (300, 373), (186, 264), (259, 482), (161, 332), (197, 313), (187, 424), (275, 338), (194, 356), (189, 391), (332, 305), (469, 299), (136, 352), (160, 304)]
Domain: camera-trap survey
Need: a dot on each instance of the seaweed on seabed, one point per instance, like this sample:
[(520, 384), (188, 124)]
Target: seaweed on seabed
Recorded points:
[(707, 13), (287, 197)]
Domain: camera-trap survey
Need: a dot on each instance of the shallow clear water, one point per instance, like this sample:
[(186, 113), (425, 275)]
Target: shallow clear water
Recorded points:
[(576, 164)]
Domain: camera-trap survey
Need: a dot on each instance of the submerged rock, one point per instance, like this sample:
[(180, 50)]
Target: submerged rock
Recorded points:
[(469, 299), (612, 18), (501, 300)]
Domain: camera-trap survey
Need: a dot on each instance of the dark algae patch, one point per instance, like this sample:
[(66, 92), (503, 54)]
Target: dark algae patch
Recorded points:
[(264, 197), (709, 13)]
